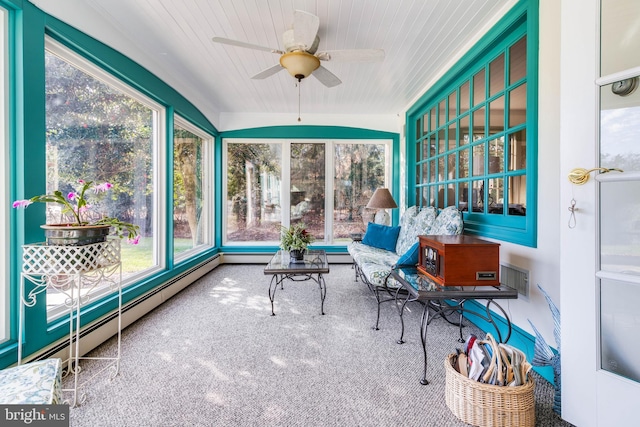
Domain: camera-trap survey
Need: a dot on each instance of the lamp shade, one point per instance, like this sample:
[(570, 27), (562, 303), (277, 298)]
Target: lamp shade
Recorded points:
[(382, 199), (299, 64)]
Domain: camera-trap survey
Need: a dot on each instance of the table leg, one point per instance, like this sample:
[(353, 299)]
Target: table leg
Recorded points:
[(272, 289), (424, 324), (400, 313), (323, 292)]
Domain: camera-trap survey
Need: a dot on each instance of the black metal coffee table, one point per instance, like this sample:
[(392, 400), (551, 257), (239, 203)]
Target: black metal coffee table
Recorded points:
[(447, 300), (312, 267)]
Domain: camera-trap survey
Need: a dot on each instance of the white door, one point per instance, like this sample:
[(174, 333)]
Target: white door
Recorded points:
[(618, 291)]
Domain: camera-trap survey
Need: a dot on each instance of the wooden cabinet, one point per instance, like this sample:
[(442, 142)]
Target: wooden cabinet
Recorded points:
[(459, 260)]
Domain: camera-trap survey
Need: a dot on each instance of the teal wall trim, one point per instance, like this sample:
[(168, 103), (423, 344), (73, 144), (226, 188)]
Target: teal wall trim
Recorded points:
[(519, 337)]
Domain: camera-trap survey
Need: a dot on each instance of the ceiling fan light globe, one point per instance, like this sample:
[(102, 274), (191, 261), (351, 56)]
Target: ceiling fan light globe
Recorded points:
[(299, 64)]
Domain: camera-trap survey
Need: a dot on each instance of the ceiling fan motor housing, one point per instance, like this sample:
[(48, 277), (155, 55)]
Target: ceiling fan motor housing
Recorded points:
[(291, 44)]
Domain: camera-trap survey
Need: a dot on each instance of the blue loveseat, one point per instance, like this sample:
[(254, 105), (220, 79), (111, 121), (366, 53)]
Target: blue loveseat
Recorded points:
[(378, 252)]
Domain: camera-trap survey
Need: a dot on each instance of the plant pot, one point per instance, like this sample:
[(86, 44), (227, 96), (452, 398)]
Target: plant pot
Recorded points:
[(297, 255), (75, 235)]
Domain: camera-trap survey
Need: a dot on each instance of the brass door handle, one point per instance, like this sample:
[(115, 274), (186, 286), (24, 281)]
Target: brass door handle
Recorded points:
[(580, 176)]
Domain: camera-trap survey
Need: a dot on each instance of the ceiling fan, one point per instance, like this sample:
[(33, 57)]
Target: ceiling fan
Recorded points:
[(301, 57)]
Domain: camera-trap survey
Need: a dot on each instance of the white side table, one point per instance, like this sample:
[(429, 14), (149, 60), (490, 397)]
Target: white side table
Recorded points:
[(74, 271)]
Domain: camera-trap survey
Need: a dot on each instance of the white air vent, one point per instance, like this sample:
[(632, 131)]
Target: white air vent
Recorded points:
[(515, 278)]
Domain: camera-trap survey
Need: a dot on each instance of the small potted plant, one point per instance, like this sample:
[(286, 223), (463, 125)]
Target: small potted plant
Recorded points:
[(295, 240), (79, 230)]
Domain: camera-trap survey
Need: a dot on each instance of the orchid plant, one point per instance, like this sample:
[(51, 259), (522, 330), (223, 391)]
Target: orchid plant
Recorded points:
[(75, 204)]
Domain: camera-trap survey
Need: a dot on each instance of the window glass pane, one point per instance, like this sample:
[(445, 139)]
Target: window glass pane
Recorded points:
[(451, 166), (97, 132), (620, 227), (518, 195), (441, 170), (478, 124), (463, 130), (452, 137), (463, 163), (438, 196), (496, 195), (619, 130), (518, 150), (496, 115), (433, 120), (427, 147), (464, 97), (425, 125), (496, 155), (518, 106), (432, 170), (418, 133), (253, 192), (620, 43), (442, 112), (478, 160), (477, 196), (463, 196), (359, 171), (518, 60), (191, 217), (307, 187), (442, 141), (496, 75), (452, 106), (425, 172), (479, 88), (619, 321), (425, 196)]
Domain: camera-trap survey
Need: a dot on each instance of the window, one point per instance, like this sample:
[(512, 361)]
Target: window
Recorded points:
[(4, 182), (473, 145), (99, 129), (324, 184), (192, 198)]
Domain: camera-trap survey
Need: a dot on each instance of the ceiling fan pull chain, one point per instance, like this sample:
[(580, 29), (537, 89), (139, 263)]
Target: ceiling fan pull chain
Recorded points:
[(298, 84)]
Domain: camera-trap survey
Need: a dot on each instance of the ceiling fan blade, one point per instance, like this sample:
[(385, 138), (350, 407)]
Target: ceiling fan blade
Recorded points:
[(326, 77), (243, 44), (268, 72), (352, 55), (305, 28)]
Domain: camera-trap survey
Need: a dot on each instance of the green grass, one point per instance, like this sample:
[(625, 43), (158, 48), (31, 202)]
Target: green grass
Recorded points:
[(139, 257)]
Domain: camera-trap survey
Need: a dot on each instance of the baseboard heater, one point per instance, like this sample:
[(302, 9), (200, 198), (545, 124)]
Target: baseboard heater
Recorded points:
[(200, 269)]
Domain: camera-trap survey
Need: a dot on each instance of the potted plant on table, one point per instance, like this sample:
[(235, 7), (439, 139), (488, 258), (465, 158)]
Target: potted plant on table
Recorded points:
[(295, 240), (77, 229)]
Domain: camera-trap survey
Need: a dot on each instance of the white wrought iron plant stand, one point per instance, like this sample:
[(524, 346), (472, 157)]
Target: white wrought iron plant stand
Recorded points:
[(74, 271)]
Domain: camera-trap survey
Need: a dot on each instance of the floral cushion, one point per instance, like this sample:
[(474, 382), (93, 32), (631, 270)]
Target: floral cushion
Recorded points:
[(412, 225), (35, 383), (362, 254), (448, 222)]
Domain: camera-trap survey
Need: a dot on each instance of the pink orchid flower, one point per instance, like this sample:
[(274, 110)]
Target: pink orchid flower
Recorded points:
[(101, 188), (21, 203), (134, 241)]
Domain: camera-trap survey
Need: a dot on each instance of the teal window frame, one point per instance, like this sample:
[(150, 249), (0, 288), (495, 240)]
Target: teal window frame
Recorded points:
[(520, 21)]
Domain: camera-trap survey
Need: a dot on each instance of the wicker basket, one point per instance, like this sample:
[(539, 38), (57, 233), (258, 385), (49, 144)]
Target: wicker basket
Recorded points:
[(482, 404)]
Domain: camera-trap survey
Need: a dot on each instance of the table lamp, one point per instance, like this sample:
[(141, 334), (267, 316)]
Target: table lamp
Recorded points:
[(382, 200)]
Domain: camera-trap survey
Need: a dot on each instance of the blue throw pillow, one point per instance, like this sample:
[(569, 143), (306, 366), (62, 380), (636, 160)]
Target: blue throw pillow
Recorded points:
[(381, 236), (411, 256)]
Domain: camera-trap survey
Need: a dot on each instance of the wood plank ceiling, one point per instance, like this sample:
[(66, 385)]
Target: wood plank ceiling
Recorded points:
[(172, 38)]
